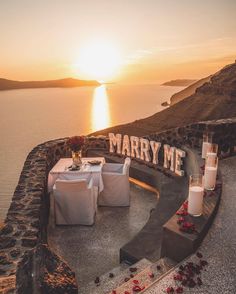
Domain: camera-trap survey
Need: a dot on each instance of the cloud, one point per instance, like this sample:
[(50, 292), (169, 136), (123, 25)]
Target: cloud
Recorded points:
[(136, 56), (212, 43)]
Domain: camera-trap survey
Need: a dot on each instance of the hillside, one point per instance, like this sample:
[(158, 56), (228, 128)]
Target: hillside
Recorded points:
[(188, 91), (215, 99), (179, 82), (63, 83)]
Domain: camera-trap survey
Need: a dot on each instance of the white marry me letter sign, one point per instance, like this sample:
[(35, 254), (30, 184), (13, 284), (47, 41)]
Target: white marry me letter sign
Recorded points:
[(142, 148)]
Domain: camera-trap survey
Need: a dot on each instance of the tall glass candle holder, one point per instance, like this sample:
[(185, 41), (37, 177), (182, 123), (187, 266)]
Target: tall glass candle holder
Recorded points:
[(207, 141), (210, 172), (195, 195), (211, 153)]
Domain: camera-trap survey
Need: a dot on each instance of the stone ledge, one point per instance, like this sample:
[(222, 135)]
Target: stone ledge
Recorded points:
[(185, 243)]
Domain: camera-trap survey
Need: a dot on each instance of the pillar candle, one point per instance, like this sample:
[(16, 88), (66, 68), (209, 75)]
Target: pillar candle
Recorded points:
[(205, 147), (195, 200), (210, 177)]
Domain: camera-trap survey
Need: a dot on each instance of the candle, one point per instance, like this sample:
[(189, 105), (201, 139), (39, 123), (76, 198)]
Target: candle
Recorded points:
[(195, 200), (210, 171), (210, 177), (205, 148), (206, 144), (211, 158)]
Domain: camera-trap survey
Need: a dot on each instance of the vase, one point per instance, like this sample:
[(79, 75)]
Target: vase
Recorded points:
[(76, 158)]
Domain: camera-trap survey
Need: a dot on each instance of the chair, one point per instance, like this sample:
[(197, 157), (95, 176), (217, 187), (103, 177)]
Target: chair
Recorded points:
[(75, 202), (116, 190)]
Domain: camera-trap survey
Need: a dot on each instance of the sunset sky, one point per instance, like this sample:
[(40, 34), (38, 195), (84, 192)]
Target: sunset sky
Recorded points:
[(137, 41)]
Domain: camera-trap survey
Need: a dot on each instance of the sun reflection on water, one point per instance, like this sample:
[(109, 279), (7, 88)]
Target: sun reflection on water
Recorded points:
[(100, 109)]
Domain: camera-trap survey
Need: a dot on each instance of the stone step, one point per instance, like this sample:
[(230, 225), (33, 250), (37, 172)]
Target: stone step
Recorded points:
[(145, 278), (120, 273)]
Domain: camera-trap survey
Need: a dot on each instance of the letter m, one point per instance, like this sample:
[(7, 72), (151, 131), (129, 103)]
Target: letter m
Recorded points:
[(115, 140)]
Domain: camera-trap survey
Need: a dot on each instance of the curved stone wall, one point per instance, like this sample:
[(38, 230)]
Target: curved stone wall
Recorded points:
[(25, 227)]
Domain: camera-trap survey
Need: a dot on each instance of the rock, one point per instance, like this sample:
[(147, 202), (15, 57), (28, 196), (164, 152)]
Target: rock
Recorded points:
[(17, 234), (15, 252), (7, 242), (165, 104), (7, 284), (35, 224), (31, 233), (29, 242), (6, 229), (4, 260), (22, 227), (53, 275), (2, 272)]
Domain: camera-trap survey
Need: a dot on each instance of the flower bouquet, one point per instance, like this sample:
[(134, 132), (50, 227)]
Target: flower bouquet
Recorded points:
[(76, 143)]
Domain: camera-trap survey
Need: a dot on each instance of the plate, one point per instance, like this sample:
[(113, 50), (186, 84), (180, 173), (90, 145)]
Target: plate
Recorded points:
[(73, 168), (94, 162)]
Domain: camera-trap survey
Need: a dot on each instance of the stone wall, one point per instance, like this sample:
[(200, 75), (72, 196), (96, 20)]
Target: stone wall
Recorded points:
[(223, 131), (25, 227)]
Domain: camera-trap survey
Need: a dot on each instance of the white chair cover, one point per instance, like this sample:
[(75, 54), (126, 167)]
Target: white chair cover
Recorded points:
[(116, 190), (75, 202)]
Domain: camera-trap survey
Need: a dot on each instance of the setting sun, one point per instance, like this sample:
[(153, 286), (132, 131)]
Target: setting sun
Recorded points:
[(99, 60)]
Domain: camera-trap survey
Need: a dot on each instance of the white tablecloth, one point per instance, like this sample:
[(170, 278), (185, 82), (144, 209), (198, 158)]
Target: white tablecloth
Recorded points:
[(60, 171)]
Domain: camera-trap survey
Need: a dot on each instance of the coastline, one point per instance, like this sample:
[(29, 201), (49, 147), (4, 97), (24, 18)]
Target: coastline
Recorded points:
[(61, 83)]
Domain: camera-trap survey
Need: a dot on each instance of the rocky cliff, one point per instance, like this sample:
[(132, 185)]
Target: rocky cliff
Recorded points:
[(190, 90)]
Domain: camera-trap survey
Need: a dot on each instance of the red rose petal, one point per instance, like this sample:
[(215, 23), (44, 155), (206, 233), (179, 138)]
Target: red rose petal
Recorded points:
[(137, 289), (199, 255), (136, 282), (185, 205), (170, 290), (180, 220), (203, 262), (178, 277), (179, 290), (133, 269), (151, 275)]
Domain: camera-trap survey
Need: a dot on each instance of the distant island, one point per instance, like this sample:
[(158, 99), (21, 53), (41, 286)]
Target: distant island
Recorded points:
[(62, 83), (179, 82)]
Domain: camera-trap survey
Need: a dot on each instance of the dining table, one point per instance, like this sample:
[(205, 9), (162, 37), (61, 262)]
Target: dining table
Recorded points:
[(90, 167)]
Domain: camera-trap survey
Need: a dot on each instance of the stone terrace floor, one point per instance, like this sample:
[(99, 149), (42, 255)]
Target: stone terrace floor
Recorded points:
[(219, 246), (93, 250)]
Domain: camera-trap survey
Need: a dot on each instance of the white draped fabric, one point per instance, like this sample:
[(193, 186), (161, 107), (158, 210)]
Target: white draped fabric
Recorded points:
[(87, 171), (116, 184), (75, 202)]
